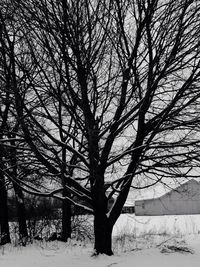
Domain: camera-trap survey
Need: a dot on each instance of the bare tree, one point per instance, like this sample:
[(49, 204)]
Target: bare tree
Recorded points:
[(9, 135), (5, 104), (4, 227), (115, 85)]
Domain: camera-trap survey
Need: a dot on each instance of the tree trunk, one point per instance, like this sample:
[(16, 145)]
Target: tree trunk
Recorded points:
[(4, 226), (66, 219), (102, 225), (66, 205), (21, 213), (103, 234)]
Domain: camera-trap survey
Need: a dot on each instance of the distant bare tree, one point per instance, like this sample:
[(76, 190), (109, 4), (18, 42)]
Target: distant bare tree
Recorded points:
[(113, 85)]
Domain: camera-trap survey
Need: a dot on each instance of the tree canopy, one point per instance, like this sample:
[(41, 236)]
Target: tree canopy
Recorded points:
[(106, 94)]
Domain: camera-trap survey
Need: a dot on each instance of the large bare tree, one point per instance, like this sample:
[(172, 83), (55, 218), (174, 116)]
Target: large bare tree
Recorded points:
[(113, 86)]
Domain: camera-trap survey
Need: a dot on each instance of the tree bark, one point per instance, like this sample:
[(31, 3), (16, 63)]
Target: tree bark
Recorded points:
[(21, 213), (19, 196), (103, 234), (102, 226), (66, 216), (66, 221), (4, 226)]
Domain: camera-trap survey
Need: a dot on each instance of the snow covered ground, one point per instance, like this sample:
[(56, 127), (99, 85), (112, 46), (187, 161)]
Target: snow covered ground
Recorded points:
[(138, 241), (166, 225)]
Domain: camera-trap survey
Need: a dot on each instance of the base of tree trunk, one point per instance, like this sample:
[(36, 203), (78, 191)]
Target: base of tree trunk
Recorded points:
[(4, 226), (103, 236), (66, 221), (22, 221), (108, 253), (21, 213)]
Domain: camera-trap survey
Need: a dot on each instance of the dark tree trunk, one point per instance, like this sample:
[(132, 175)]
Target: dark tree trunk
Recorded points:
[(21, 213), (4, 226), (103, 234), (66, 205), (102, 226), (66, 219)]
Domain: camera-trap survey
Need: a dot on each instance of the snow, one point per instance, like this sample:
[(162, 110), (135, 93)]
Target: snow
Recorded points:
[(167, 225), (137, 241), (59, 255)]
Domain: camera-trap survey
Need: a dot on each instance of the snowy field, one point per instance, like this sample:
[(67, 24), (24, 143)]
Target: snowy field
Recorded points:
[(162, 225), (138, 241)]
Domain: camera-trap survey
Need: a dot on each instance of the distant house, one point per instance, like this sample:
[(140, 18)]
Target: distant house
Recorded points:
[(182, 200)]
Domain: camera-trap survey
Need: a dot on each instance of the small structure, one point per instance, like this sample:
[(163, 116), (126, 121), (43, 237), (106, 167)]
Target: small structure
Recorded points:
[(182, 200), (128, 209)]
